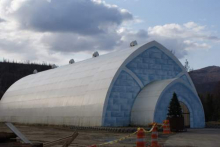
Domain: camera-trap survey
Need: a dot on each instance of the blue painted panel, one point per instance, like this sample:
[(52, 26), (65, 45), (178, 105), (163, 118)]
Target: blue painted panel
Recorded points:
[(121, 100), (184, 78), (153, 64), (186, 96)]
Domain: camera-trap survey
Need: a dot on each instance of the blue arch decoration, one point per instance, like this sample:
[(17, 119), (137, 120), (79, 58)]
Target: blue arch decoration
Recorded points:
[(150, 65), (153, 64), (185, 95), (184, 78), (121, 100)]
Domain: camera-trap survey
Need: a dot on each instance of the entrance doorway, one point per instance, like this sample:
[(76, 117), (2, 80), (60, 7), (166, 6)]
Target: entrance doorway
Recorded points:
[(186, 114)]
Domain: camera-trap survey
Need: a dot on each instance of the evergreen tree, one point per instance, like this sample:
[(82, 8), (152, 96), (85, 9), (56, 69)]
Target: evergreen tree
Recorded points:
[(217, 102), (174, 109), (210, 105), (11, 72)]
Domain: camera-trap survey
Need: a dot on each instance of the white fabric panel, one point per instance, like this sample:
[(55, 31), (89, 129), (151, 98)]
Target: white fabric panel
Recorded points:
[(143, 109), (70, 95)]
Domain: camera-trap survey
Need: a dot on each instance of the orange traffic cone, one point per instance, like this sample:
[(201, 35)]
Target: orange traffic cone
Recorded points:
[(140, 138), (166, 127), (154, 137)]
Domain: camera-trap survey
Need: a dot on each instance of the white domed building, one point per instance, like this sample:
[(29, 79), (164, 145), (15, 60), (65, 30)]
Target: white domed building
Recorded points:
[(133, 86)]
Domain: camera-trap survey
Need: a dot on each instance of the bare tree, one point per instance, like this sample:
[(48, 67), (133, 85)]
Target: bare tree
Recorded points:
[(187, 67), (173, 52)]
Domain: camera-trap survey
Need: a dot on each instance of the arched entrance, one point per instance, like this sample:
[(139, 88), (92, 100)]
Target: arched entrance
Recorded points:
[(186, 114)]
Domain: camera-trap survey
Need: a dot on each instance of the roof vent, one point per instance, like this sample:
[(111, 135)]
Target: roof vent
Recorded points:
[(71, 61), (35, 71), (133, 43), (95, 54), (53, 66)]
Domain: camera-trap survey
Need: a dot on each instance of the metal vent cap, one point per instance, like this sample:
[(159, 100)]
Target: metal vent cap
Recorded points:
[(133, 43), (35, 71), (71, 61), (95, 54)]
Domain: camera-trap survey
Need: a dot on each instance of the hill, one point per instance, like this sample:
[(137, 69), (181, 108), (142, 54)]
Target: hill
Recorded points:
[(206, 79), (207, 83), (11, 72)]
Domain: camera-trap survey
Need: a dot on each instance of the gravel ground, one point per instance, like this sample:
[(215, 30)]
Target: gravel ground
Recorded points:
[(85, 138), (191, 138)]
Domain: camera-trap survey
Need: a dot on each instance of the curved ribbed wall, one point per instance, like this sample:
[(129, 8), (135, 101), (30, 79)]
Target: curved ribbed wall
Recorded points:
[(69, 95), (99, 91)]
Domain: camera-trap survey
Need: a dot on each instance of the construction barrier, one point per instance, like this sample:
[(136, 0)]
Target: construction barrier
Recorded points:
[(140, 138), (166, 127), (154, 137), (150, 129)]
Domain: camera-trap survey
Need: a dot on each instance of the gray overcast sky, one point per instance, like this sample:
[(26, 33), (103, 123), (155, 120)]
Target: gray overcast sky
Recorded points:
[(55, 31)]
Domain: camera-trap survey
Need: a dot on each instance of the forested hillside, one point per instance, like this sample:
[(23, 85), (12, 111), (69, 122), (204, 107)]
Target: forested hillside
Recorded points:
[(207, 83), (11, 72), (206, 79), (211, 104)]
